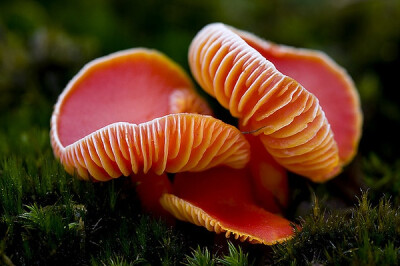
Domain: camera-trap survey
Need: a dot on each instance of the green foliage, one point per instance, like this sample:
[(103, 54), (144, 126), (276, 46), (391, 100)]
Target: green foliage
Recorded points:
[(145, 241), (364, 235), (382, 178), (236, 257), (200, 257), (59, 227), (115, 260), (11, 188)]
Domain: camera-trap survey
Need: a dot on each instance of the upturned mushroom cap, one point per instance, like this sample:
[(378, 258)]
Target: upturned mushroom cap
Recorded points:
[(303, 105), (221, 200), (122, 114)]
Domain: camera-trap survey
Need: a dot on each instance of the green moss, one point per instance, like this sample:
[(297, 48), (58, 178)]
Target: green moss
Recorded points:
[(202, 257), (146, 241), (235, 257), (364, 235), (11, 187), (382, 178)]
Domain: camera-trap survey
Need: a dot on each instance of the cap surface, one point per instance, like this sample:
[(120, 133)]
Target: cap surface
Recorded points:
[(123, 114)]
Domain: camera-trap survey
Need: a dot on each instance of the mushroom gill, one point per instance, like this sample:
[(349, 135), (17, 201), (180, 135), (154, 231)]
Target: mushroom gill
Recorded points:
[(121, 114), (303, 106), (221, 200)]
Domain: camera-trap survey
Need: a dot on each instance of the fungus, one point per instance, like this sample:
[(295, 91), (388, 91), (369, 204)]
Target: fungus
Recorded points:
[(123, 114), (243, 203), (268, 178), (221, 200), (149, 188), (302, 105)]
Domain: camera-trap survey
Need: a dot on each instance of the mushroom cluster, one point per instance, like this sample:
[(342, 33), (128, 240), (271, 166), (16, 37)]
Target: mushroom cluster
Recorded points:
[(136, 113)]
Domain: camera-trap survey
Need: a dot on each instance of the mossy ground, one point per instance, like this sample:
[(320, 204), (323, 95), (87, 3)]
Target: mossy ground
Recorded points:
[(48, 217)]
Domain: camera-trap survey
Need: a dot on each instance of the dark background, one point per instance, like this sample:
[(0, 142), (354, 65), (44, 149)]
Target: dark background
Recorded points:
[(44, 43)]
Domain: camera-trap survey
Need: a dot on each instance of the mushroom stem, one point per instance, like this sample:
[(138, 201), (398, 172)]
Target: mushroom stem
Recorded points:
[(150, 188)]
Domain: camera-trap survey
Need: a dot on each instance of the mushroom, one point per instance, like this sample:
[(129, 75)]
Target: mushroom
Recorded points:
[(149, 188), (221, 199), (269, 179), (123, 114), (303, 106), (246, 203)]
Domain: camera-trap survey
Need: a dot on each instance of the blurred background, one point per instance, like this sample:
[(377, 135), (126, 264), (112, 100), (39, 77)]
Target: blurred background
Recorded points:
[(44, 43)]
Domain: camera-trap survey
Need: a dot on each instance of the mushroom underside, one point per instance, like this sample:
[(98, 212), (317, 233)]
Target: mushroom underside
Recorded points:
[(122, 114), (221, 200), (298, 101)]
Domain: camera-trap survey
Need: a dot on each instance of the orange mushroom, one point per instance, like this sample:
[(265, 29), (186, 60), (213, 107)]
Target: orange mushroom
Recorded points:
[(221, 200), (241, 202), (149, 188), (268, 178), (303, 106), (122, 114)]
